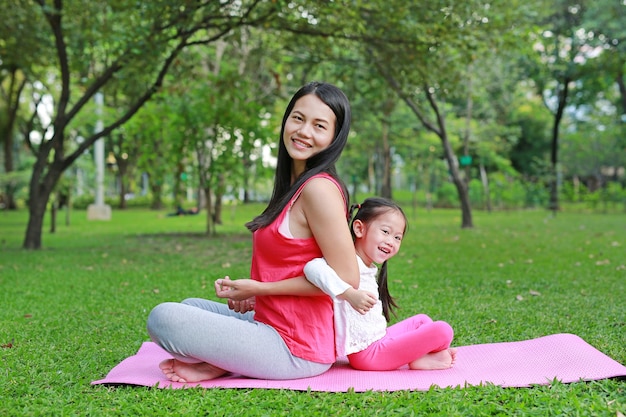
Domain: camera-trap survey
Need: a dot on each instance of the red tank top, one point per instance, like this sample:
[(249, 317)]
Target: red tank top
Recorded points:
[(305, 323)]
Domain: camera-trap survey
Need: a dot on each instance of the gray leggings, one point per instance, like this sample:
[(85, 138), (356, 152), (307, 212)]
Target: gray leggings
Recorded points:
[(198, 330)]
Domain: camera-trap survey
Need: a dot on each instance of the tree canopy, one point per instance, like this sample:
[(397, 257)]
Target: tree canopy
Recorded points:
[(442, 92)]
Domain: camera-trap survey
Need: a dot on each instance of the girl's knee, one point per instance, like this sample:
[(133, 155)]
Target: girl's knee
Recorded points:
[(445, 330), (423, 318)]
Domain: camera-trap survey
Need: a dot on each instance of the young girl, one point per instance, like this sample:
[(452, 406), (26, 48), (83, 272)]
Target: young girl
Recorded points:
[(361, 318), (290, 332)]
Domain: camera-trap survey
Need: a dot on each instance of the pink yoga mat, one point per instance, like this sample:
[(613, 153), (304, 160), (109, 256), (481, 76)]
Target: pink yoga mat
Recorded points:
[(564, 357)]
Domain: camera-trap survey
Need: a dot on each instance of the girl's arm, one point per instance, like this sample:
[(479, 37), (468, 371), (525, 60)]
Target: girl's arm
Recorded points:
[(322, 275)]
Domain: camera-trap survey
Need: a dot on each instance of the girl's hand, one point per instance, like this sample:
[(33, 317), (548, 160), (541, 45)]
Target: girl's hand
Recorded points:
[(238, 290), (360, 300)]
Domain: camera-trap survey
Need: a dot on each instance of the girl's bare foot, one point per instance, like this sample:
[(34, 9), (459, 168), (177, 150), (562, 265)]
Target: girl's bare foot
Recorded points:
[(453, 354), (178, 371), (443, 359)]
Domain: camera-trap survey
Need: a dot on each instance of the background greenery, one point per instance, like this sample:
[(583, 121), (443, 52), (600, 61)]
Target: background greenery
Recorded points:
[(530, 93), (75, 309)]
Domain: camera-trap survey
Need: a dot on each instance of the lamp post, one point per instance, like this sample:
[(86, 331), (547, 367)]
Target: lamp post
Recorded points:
[(99, 210)]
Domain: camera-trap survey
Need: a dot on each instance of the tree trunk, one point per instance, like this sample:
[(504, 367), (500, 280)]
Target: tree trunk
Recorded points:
[(53, 216), (246, 177), (355, 190), (622, 87), (122, 174), (459, 183), (68, 207), (371, 174), (439, 128), (217, 213), (157, 200), (209, 210), (8, 167), (385, 189), (554, 159), (468, 125), (15, 91), (179, 187), (39, 194), (123, 204)]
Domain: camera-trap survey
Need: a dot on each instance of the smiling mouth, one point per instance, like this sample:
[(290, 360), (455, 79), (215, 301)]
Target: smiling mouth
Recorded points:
[(300, 143)]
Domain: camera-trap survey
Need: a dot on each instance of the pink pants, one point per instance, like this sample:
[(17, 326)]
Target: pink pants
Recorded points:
[(404, 342)]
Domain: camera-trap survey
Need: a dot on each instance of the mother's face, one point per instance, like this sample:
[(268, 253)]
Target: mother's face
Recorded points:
[(309, 128)]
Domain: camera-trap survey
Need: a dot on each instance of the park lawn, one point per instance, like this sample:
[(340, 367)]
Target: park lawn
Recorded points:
[(76, 308)]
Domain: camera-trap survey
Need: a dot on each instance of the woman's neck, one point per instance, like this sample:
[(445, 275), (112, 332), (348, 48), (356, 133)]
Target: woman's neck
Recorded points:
[(297, 168)]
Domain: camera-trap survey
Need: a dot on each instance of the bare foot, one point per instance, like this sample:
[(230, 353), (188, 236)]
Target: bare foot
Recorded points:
[(443, 359), (453, 354), (178, 371)]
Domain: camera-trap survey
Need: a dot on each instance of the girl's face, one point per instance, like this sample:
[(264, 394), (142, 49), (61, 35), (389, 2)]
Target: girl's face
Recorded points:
[(380, 239), (309, 129)]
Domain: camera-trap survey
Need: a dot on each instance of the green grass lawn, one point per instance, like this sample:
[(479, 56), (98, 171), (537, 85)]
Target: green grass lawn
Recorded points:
[(76, 308)]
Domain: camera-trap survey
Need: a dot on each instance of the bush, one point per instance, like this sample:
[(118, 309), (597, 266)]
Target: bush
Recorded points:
[(447, 196), (536, 194), (81, 202), (477, 193)]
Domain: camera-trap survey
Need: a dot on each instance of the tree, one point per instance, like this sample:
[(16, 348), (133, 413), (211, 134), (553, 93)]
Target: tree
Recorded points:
[(425, 59), (604, 26), (22, 55), (564, 53), (100, 43)]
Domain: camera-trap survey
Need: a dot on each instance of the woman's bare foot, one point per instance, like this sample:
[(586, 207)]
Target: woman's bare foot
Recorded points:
[(443, 359), (178, 371)]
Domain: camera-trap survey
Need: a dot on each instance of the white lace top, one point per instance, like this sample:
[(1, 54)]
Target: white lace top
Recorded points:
[(353, 331)]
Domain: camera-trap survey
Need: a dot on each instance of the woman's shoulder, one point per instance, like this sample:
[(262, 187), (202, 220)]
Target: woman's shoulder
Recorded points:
[(322, 180), (322, 186)]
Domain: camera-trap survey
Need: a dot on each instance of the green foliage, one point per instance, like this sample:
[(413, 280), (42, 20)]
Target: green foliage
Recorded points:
[(239, 64), (517, 275), (477, 194), (16, 181), (447, 195)]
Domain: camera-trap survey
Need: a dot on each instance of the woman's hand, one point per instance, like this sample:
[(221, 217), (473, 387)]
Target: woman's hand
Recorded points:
[(242, 306), (237, 290)]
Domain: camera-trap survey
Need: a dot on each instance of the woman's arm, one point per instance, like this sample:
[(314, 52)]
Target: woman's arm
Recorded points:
[(319, 212), (323, 207), (242, 289)]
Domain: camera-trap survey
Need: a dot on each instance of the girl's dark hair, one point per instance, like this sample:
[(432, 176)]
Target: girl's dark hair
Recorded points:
[(324, 161), (366, 212)]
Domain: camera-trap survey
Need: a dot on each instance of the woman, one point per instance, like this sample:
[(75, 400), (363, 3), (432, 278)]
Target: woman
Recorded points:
[(290, 332)]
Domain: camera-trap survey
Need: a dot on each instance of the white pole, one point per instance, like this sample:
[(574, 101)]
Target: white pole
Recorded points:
[(99, 153), (99, 210)]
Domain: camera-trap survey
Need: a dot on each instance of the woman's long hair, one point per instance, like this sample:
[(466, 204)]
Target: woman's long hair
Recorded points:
[(367, 212), (324, 161)]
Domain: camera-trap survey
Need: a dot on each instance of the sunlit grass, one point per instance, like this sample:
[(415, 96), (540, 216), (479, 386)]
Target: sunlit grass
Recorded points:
[(73, 310)]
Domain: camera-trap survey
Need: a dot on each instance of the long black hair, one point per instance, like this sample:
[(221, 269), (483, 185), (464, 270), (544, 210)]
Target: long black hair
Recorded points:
[(324, 161), (366, 212)]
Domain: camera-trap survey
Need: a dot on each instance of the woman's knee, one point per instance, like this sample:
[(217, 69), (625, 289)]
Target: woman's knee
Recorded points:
[(161, 317)]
